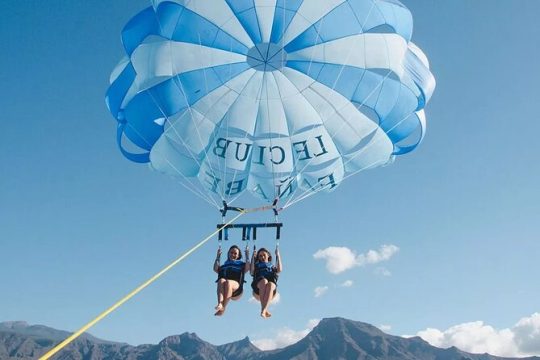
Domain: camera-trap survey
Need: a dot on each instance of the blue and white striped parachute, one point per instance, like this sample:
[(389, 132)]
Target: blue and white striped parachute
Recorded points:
[(281, 98)]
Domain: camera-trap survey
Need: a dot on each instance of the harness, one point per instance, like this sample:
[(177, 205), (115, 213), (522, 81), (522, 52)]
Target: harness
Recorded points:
[(264, 270), (232, 270)]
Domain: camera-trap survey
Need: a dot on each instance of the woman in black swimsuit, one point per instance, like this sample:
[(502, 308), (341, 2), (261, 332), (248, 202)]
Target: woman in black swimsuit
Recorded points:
[(265, 276), (230, 280)]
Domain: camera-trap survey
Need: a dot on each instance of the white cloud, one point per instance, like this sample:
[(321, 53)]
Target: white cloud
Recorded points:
[(527, 334), (523, 339), (347, 283), (285, 336), (320, 290), (339, 259), (385, 328), (374, 257), (474, 337)]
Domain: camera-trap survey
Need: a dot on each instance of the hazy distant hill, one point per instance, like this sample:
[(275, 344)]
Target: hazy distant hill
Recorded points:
[(333, 338)]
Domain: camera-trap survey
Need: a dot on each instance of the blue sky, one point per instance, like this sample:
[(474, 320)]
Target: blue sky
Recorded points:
[(81, 226)]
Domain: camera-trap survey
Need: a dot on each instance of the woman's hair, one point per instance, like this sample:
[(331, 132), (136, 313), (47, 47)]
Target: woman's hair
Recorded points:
[(239, 252), (266, 251)]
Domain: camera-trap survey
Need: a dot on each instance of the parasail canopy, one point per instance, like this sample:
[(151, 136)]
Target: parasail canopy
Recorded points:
[(278, 98)]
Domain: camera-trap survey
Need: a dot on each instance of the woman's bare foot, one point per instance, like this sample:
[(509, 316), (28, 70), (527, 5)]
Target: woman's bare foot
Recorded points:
[(265, 314), (219, 307), (219, 312)]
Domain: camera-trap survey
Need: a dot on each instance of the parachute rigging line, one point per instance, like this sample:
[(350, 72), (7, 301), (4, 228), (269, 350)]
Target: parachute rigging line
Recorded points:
[(133, 293), (194, 190), (306, 194), (309, 192), (295, 163), (158, 105)]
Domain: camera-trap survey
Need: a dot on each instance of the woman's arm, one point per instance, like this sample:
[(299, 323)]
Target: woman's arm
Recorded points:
[(216, 262), (279, 265)]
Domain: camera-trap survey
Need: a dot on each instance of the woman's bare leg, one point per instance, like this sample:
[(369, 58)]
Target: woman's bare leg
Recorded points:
[(230, 287), (262, 285), (220, 297), (268, 296), (227, 289), (267, 299)]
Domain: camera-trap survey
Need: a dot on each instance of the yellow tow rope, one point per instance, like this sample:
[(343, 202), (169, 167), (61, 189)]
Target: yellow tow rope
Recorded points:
[(133, 293)]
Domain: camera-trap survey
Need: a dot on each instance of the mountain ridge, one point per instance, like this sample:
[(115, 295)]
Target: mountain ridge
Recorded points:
[(333, 338)]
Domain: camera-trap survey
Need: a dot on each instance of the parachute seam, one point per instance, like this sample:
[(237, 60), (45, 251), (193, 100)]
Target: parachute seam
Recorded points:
[(295, 163), (307, 194), (240, 22), (291, 201), (180, 86), (206, 86), (381, 84), (318, 37), (200, 194), (270, 131), (293, 170), (178, 83), (205, 149), (381, 91), (318, 33), (245, 136), (223, 171), (196, 126), (249, 161), (321, 19), (258, 23), (176, 80), (296, 13), (311, 127), (192, 154), (219, 27)]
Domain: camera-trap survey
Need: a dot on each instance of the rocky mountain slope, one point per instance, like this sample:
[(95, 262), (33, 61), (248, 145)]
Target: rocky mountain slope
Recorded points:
[(334, 338)]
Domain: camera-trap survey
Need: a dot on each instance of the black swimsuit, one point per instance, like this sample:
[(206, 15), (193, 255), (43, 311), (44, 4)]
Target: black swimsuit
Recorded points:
[(264, 270), (233, 270)]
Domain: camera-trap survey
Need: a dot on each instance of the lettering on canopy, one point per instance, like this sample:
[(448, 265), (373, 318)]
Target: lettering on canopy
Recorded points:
[(241, 150), (247, 162)]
